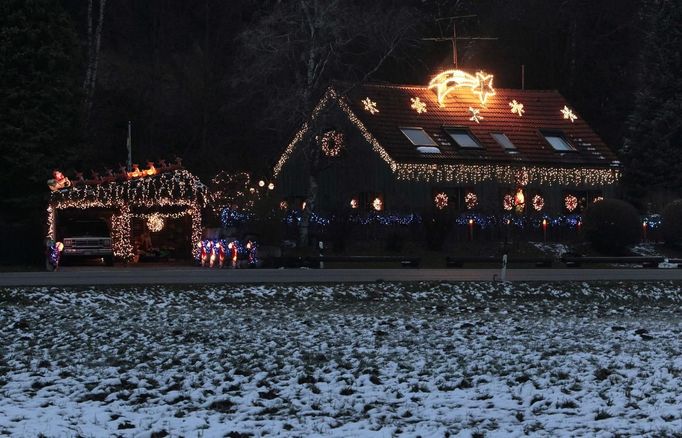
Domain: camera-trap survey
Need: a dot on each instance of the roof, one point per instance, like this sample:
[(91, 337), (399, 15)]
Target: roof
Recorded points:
[(542, 111)]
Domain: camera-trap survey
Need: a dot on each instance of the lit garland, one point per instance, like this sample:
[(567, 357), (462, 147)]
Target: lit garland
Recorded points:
[(370, 106), (331, 143), (471, 200), (418, 105), (506, 174), (522, 177), (571, 203), (538, 203), (475, 115), (568, 114), (517, 108), (441, 200), (448, 81)]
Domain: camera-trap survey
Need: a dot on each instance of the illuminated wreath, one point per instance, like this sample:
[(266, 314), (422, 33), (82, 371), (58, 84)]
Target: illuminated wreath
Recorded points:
[(508, 202), (471, 200), (571, 202), (378, 204), (441, 200), (538, 202), (155, 223), (331, 143)]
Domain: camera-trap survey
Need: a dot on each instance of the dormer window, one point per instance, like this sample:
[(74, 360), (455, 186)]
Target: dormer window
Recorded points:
[(557, 141), (418, 137), (504, 141), (463, 138)]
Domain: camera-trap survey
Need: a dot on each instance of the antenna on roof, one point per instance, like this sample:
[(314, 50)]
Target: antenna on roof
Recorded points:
[(523, 76), (453, 39)]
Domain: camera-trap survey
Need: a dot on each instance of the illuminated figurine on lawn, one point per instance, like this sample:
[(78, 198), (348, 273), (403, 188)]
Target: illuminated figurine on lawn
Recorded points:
[(54, 254), (252, 249), (58, 181), (234, 253)]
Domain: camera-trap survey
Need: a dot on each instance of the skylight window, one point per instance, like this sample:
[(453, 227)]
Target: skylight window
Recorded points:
[(463, 138), (418, 136), (503, 141), (558, 142)]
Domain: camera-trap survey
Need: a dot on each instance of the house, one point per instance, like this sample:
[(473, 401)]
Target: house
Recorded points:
[(456, 144)]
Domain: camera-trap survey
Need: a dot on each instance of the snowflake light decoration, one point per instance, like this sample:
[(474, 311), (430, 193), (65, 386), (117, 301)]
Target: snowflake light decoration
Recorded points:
[(441, 200), (418, 105), (155, 223), (538, 202), (283, 205), (331, 143), (508, 202), (571, 203), (370, 105), (475, 115), (378, 204), (568, 114), (517, 108), (471, 200)]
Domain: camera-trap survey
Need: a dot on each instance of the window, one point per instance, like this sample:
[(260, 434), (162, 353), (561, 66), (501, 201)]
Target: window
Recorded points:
[(558, 141), (418, 136), (428, 150), (503, 141), (463, 138)]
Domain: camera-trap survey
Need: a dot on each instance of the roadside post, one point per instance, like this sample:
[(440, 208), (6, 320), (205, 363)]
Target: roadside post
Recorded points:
[(321, 245), (503, 273)]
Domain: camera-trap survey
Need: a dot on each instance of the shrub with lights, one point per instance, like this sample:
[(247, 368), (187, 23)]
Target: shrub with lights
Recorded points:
[(671, 222)]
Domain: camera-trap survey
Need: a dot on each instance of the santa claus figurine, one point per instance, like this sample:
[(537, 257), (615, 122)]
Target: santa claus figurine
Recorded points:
[(58, 181)]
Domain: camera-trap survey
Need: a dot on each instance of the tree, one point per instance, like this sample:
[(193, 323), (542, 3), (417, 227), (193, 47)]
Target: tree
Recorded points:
[(94, 43), (652, 153), (39, 99), (290, 56)]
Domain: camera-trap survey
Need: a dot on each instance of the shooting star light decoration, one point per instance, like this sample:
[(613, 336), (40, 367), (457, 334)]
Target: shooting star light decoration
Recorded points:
[(448, 81)]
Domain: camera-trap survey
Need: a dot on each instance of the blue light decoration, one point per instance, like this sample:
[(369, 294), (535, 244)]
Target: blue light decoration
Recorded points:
[(54, 254), (230, 217), (652, 221)]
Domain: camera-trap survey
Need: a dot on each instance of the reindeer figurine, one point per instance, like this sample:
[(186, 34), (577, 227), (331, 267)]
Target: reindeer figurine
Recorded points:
[(79, 179), (109, 177)]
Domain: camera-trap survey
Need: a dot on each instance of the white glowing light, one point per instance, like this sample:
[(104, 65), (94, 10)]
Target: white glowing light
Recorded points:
[(475, 115), (568, 114), (471, 200), (370, 105), (517, 108), (155, 223), (378, 204), (418, 105), (441, 200), (448, 81)]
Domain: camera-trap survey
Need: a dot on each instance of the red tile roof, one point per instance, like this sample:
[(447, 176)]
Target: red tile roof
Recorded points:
[(542, 111)]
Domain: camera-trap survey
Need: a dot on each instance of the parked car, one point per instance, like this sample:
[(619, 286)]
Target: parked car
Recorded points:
[(87, 239)]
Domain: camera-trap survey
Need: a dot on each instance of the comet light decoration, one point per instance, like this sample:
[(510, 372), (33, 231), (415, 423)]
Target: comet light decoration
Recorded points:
[(568, 114), (441, 200), (418, 105), (475, 115), (517, 108), (370, 105), (471, 200), (448, 81), (538, 202), (571, 203)]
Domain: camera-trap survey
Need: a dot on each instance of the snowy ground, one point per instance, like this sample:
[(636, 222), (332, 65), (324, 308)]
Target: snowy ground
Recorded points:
[(343, 360)]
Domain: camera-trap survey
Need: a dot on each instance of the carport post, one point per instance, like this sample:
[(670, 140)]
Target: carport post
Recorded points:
[(321, 245), (503, 273)]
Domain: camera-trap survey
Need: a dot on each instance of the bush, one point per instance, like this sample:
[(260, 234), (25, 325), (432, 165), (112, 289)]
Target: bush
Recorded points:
[(611, 226), (672, 223)]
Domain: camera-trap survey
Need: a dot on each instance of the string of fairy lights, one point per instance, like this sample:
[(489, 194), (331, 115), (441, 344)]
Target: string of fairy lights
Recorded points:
[(177, 188)]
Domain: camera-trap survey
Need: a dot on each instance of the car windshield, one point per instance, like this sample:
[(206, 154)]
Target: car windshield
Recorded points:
[(86, 228)]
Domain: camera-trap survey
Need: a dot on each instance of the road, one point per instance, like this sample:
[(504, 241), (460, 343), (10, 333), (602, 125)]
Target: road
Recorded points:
[(92, 276)]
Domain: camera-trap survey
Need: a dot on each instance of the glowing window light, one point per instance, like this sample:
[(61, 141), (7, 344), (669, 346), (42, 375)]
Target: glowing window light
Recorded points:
[(448, 81)]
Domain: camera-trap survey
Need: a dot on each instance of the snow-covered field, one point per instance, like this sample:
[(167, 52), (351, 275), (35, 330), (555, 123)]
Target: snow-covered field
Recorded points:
[(342, 360)]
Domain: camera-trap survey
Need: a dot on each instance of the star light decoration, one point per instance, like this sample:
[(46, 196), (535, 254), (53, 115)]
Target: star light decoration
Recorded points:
[(418, 105), (441, 200), (568, 114), (370, 105), (475, 115), (517, 108), (471, 200), (448, 81)]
